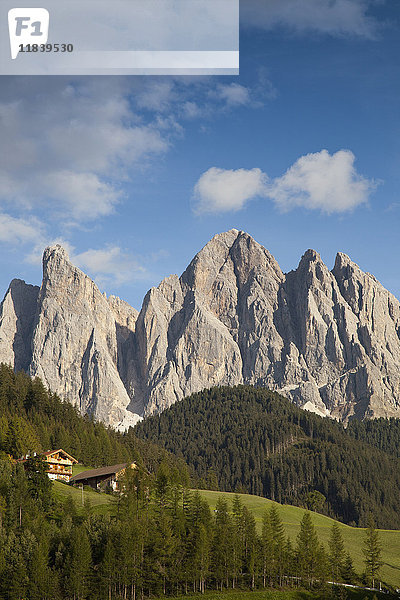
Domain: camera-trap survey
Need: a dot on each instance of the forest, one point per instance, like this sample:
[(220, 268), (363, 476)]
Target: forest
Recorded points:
[(161, 539), (249, 439)]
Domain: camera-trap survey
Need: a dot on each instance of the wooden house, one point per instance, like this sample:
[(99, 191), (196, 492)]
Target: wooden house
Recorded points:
[(103, 477), (59, 464)]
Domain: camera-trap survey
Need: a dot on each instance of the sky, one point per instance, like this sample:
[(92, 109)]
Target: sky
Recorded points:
[(134, 175)]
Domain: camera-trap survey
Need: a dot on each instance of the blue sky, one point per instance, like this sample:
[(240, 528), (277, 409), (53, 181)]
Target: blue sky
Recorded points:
[(134, 175)]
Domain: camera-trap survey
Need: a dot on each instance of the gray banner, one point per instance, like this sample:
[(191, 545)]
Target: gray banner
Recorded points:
[(86, 37)]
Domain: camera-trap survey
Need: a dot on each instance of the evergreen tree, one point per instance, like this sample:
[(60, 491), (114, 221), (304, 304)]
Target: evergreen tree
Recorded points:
[(79, 564), (249, 546), (308, 549), (336, 552), (198, 541), (42, 580), (164, 546), (39, 483), (266, 548), (278, 544), (348, 573), (222, 548), (107, 569), (238, 540), (372, 551)]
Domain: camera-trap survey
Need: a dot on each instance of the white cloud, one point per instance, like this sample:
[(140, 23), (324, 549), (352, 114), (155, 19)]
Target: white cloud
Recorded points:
[(109, 265), (321, 181), (332, 17), (234, 94), (67, 144), (19, 231), (220, 190), (84, 195)]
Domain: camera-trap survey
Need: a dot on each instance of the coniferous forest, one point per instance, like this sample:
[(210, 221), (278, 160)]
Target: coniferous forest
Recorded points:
[(160, 539), (253, 440)]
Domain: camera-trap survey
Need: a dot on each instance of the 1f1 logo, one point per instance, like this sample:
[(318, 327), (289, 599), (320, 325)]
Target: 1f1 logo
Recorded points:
[(27, 25)]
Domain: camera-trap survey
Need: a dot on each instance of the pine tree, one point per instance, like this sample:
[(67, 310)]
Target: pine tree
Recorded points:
[(372, 551), (278, 542), (222, 548), (308, 549), (79, 563), (107, 569), (238, 540), (250, 545), (42, 580), (266, 547), (348, 573), (164, 549), (198, 541), (336, 551)]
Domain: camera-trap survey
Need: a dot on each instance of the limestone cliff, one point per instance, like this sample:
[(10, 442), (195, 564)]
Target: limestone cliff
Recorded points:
[(329, 340)]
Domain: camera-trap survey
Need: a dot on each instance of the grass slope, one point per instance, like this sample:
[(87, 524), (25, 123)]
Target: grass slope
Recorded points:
[(353, 536), (253, 439), (291, 517), (100, 503)]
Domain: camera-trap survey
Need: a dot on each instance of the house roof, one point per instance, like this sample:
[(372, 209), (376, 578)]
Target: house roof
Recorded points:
[(99, 472), (50, 452), (47, 453)]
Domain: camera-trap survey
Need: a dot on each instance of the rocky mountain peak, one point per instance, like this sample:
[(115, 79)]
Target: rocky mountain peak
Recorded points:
[(60, 276), (310, 256), (54, 259), (329, 340)]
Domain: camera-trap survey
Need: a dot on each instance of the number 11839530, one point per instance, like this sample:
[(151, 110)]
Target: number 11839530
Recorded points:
[(46, 48)]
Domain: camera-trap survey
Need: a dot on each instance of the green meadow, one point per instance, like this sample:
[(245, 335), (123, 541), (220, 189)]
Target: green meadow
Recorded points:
[(291, 516), (100, 503), (353, 536)]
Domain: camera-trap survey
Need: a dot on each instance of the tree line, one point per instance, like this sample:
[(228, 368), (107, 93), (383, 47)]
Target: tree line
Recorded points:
[(252, 440), (160, 539)]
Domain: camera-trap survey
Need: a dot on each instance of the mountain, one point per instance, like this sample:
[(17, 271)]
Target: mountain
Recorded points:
[(71, 336), (328, 340)]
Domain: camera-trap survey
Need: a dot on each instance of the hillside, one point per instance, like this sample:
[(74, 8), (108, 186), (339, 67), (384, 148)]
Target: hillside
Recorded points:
[(291, 517), (353, 537), (33, 419), (380, 433), (253, 440)]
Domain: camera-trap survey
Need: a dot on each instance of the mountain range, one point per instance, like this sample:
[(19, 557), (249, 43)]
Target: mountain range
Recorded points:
[(327, 340)]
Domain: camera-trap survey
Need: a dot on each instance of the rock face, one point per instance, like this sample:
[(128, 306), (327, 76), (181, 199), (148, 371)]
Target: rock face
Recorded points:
[(68, 334), (329, 340), (17, 312)]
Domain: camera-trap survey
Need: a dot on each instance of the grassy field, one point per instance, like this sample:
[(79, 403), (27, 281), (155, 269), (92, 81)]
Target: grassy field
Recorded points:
[(101, 503), (291, 517), (353, 536), (76, 469)]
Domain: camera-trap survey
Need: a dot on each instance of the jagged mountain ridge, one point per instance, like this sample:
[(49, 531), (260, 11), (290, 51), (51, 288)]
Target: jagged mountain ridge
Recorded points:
[(329, 340)]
